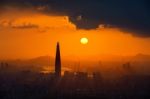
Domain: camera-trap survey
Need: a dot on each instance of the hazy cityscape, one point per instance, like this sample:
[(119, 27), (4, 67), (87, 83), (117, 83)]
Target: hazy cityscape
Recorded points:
[(32, 83)]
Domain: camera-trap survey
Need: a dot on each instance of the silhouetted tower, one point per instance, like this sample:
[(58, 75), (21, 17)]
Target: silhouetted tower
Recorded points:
[(58, 61)]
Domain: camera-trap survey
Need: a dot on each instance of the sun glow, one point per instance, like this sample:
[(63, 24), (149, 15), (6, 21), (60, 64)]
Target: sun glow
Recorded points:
[(84, 40)]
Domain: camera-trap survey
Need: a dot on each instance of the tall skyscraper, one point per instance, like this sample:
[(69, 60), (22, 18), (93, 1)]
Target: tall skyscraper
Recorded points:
[(58, 61)]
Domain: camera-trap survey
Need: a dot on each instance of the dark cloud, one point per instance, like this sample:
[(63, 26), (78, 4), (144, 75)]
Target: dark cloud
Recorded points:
[(128, 15)]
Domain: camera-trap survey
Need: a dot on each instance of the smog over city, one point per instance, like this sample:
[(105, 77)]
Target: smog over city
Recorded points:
[(74, 49)]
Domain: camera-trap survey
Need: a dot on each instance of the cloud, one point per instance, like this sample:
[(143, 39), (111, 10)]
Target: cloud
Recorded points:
[(5, 23), (128, 15), (13, 24), (25, 26)]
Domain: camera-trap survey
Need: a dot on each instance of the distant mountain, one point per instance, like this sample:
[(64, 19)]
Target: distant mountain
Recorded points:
[(38, 61), (41, 61), (49, 61), (141, 57)]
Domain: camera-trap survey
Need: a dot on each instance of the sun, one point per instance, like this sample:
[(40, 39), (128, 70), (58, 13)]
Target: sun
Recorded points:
[(84, 40)]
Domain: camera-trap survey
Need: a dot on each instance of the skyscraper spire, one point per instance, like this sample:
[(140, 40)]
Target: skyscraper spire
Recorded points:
[(58, 61)]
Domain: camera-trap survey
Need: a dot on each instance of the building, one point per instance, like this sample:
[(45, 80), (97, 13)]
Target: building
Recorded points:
[(58, 61)]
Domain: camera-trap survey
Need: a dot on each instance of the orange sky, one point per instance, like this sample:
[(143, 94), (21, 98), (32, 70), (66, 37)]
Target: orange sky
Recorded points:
[(30, 34)]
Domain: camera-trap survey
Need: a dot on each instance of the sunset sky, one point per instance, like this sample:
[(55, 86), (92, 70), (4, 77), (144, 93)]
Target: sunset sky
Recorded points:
[(31, 28)]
